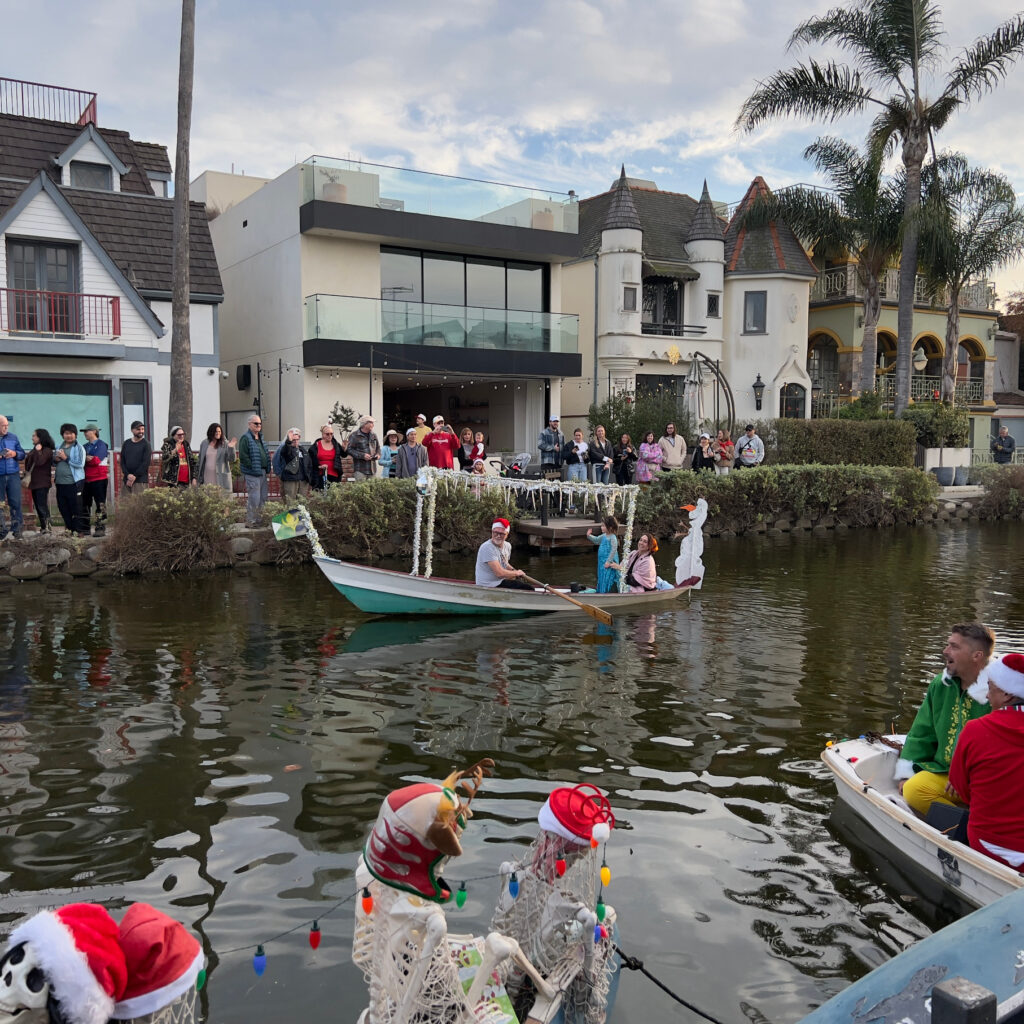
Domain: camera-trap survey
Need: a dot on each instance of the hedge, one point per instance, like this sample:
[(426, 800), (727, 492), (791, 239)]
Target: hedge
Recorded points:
[(839, 442), (854, 495)]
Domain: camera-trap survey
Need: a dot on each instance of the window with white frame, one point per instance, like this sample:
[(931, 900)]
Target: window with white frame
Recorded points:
[(714, 305), (629, 299)]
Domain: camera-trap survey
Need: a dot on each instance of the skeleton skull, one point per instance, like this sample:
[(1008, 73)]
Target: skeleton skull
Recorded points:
[(23, 987)]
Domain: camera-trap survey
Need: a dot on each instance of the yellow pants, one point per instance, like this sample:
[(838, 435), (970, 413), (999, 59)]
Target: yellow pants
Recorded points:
[(923, 789)]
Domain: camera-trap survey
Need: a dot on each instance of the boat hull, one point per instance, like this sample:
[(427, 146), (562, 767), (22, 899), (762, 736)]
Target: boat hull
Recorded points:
[(386, 592), (863, 774)]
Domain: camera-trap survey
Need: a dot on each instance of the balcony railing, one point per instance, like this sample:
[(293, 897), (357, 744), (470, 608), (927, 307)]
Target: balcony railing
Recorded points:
[(50, 102), (674, 330), (59, 313), (843, 282), (925, 389), (441, 195), (392, 322)]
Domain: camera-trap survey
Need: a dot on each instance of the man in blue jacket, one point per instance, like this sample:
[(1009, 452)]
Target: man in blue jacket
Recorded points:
[(254, 461), (11, 453)]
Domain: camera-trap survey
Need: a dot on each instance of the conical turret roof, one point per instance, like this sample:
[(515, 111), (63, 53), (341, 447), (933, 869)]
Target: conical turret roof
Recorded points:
[(705, 225), (622, 210)]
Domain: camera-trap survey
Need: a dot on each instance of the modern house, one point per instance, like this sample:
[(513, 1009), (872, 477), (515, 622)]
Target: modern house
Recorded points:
[(663, 281), (392, 292), (836, 330), (85, 272)]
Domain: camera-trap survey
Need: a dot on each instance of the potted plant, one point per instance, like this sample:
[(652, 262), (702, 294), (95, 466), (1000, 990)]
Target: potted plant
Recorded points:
[(943, 430)]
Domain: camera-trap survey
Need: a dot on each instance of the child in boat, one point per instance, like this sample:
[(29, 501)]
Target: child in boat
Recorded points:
[(607, 551)]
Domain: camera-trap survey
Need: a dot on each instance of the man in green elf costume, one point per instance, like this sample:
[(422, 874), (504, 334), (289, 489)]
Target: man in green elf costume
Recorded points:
[(954, 698)]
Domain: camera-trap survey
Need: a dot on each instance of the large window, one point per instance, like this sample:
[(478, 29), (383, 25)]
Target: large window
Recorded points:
[(663, 306), (755, 312), (410, 276), (41, 278), (792, 399)]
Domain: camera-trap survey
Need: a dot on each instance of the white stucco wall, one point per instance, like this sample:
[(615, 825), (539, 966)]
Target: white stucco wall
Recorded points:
[(779, 355)]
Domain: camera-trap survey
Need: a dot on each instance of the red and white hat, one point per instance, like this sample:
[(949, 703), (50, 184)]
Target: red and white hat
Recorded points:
[(78, 951), (1007, 673), (500, 524), (577, 813), (163, 961)]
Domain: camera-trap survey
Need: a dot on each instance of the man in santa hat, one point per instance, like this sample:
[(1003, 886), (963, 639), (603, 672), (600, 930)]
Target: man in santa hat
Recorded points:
[(954, 698), (988, 765), (493, 568)]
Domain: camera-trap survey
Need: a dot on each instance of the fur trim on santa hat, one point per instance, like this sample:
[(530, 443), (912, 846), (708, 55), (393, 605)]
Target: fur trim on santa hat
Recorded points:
[(1007, 673), (78, 951), (163, 961)]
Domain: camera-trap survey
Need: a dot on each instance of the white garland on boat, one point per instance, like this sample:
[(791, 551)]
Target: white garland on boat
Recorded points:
[(314, 537), (572, 492), (627, 543)]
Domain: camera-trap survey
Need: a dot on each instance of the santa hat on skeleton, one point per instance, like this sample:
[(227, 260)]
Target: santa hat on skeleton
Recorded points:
[(77, 950), (580, 814), (1007, 673)]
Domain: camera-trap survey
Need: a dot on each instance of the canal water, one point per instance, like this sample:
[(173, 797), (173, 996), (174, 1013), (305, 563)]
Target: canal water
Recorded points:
[(219, 747)]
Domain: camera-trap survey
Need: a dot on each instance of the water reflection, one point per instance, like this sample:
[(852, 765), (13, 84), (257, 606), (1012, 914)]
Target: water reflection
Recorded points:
[(220, 746)]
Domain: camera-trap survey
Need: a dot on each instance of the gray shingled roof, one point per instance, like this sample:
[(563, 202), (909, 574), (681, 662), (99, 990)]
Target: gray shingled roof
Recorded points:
[(137, 231), (621, 212), (706, 224), (766, 250), (29, 145), (665, 219)]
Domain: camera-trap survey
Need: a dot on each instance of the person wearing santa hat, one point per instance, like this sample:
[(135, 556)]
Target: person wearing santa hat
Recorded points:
[(954, 698), (493, 568), (988, 765)]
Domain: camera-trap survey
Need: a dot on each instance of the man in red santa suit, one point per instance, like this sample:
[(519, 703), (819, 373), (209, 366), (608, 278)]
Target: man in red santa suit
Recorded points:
[(989, 762)]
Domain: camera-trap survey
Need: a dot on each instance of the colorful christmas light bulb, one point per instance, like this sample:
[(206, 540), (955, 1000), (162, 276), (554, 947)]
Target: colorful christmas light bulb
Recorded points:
[(315, 935), (367, 902), (606, 875), (259, 961), (200, 979), (560, 866), (460, 896), (513, 886), (600, 909)]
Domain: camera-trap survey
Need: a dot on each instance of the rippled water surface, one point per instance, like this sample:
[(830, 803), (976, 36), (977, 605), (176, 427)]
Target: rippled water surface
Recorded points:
[(219, 747)]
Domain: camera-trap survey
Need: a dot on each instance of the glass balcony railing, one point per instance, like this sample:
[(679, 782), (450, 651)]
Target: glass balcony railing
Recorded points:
[(392, 322), (441, 195)]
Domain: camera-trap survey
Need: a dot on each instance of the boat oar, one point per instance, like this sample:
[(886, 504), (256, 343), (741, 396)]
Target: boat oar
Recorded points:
[(595, 613)]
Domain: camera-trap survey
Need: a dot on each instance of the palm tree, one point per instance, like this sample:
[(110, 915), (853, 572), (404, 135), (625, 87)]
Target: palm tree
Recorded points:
[(860, 217), (179, 406), (896, 49), (970, 223)]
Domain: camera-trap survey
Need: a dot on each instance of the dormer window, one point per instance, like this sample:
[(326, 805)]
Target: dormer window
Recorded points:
[(88, 175)]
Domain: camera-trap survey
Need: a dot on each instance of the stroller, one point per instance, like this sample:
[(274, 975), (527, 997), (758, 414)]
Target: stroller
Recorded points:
[(515, 468)]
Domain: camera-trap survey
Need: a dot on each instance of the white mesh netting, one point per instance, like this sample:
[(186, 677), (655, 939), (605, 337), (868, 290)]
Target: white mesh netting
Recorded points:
[(181, 1011), (553, 919)]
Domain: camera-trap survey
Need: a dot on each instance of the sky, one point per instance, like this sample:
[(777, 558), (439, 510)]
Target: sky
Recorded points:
[(546, 94)]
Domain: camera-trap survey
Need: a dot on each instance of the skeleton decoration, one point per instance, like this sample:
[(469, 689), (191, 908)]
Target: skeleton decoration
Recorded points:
[(76, 965), (416, 970)]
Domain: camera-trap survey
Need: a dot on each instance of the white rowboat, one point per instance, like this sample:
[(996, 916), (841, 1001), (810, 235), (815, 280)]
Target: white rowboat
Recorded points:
[(863, 773)]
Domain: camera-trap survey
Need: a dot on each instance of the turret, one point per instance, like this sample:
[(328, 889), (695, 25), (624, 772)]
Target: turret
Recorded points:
[(705, 242)]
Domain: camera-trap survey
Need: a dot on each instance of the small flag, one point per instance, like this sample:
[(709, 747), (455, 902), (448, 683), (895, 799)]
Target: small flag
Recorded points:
[(288, 525)]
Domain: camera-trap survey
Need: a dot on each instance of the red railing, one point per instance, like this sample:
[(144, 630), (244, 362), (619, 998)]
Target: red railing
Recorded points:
[(37, 312), (51, 102)]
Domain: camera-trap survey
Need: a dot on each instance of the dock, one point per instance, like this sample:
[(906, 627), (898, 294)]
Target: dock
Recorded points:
[(568, 533)]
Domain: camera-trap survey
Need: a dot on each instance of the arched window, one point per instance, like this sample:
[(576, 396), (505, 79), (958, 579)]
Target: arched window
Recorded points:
[(792, 401)]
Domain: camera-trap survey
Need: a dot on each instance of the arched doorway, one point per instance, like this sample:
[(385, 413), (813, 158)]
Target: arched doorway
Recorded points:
[(926, 368), (792, 402), (970, 371), (823, 363)]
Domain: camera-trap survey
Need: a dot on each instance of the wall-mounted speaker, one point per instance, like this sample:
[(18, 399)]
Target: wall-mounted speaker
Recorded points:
[(243, 376)]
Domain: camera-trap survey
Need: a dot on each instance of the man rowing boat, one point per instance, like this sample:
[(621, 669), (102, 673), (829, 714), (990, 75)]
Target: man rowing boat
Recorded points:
[(493, 568)]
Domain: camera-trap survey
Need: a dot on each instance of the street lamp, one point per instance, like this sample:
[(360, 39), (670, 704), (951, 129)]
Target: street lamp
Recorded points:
[(758, 386), (920, 360)]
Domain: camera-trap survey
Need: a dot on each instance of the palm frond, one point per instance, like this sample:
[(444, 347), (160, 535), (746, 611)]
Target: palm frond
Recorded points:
[(856, 30), (811, 90), (981, 67), (816, 217), (888, 126)]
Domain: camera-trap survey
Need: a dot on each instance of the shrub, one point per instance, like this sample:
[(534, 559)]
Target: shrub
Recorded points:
[(939, 424), (172, 529), (869, 442), (868, 406), (624, 414), (855, 495), (1004, 490)]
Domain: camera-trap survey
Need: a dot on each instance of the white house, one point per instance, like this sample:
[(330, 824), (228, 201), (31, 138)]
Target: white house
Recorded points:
[(392, 292), (85, 274), (662, 279)]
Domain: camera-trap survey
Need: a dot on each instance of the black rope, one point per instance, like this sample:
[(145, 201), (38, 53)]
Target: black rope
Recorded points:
[(633, 964)]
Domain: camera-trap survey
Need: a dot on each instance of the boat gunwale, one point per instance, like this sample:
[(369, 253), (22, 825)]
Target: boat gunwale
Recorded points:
[(844, 772)]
